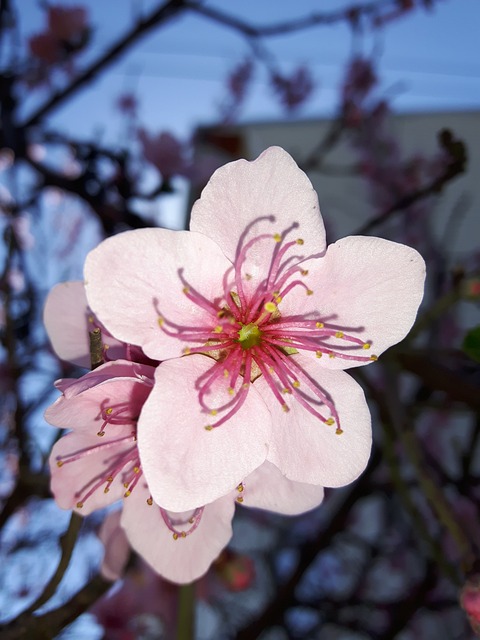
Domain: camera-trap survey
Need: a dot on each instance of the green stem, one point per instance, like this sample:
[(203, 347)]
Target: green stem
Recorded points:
[(186, 612)]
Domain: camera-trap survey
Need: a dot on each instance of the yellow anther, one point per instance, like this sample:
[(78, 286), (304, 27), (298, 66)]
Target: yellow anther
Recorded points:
[(218, 329), (100, 433), (91, 319), (186, 351), (59, 463), (277, 237), (319, 325), (304, 272), (191, 521), (106, 490), (271, 370), (225, 373), (339, 334), (208, 427), (186, 289), (374, 358), (286, 391), (278, 299), (160, 321), (127, 493), (330, 421), (338, 431), (319, 354), (240, 487), (367, 345), (285, 408), (213, 412), (221, 313), (136, 469), (110, 479), (183, 534), (231, 391), (309, 292), (150, 501), (79, 505), (175, 536), (248, 276), (271, 307), (106, 347), (109, 411), (296, 383), (331, 355), (299, 240), (245, 385), (125, 484), (239, 498)]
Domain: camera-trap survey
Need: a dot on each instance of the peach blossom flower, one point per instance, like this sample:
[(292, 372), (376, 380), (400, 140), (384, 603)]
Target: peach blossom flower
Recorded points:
[(255, 320)]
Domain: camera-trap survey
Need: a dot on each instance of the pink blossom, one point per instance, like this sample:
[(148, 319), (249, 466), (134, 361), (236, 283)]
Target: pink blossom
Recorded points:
[(68, 23), (254, 320), (68, 321), (164, 151), (293, 90), (98, 463), (45, 46), (470, 602)]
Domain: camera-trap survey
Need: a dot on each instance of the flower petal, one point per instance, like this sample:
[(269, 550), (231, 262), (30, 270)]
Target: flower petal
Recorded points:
[(184, 559), (84, 401), (184, 464), (370, 288), (267, 488), (117, 549), (136, 277), (71, 481), (241, 192), (307, 450), (66, 320)]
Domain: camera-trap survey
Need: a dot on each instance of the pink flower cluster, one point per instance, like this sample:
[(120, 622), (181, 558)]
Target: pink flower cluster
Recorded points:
[(66, 33), (225, 348)]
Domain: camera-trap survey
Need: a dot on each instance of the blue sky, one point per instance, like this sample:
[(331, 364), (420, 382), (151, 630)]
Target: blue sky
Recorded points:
[(429, 61)]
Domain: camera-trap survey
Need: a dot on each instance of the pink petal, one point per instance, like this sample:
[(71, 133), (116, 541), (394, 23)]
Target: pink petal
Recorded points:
[(66, 320), (117, 549), (184, 464), (68, 482), (133, 278), (241, 192), (267, 488), (185, 559), (370, 288), (80, 407), (307, 450)]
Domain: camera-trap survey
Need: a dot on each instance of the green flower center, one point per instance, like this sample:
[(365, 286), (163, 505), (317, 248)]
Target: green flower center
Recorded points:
[(249, 336)]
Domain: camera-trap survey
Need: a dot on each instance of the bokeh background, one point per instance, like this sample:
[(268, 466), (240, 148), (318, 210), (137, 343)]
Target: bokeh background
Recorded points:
[(113, 116)]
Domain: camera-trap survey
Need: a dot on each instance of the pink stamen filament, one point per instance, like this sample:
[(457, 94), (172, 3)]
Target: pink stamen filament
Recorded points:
[(172, 525), (247, 328)]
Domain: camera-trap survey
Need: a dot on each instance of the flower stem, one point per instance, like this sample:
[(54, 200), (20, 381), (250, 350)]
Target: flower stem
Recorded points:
[(186, 612)]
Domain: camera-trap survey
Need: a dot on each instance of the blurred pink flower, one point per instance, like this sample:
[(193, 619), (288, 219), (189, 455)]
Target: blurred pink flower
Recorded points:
[(45, 47), (165, 152), (470, 602), (253, 337), (127, 104), (67, 32), (68, 23), (295, 89)]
